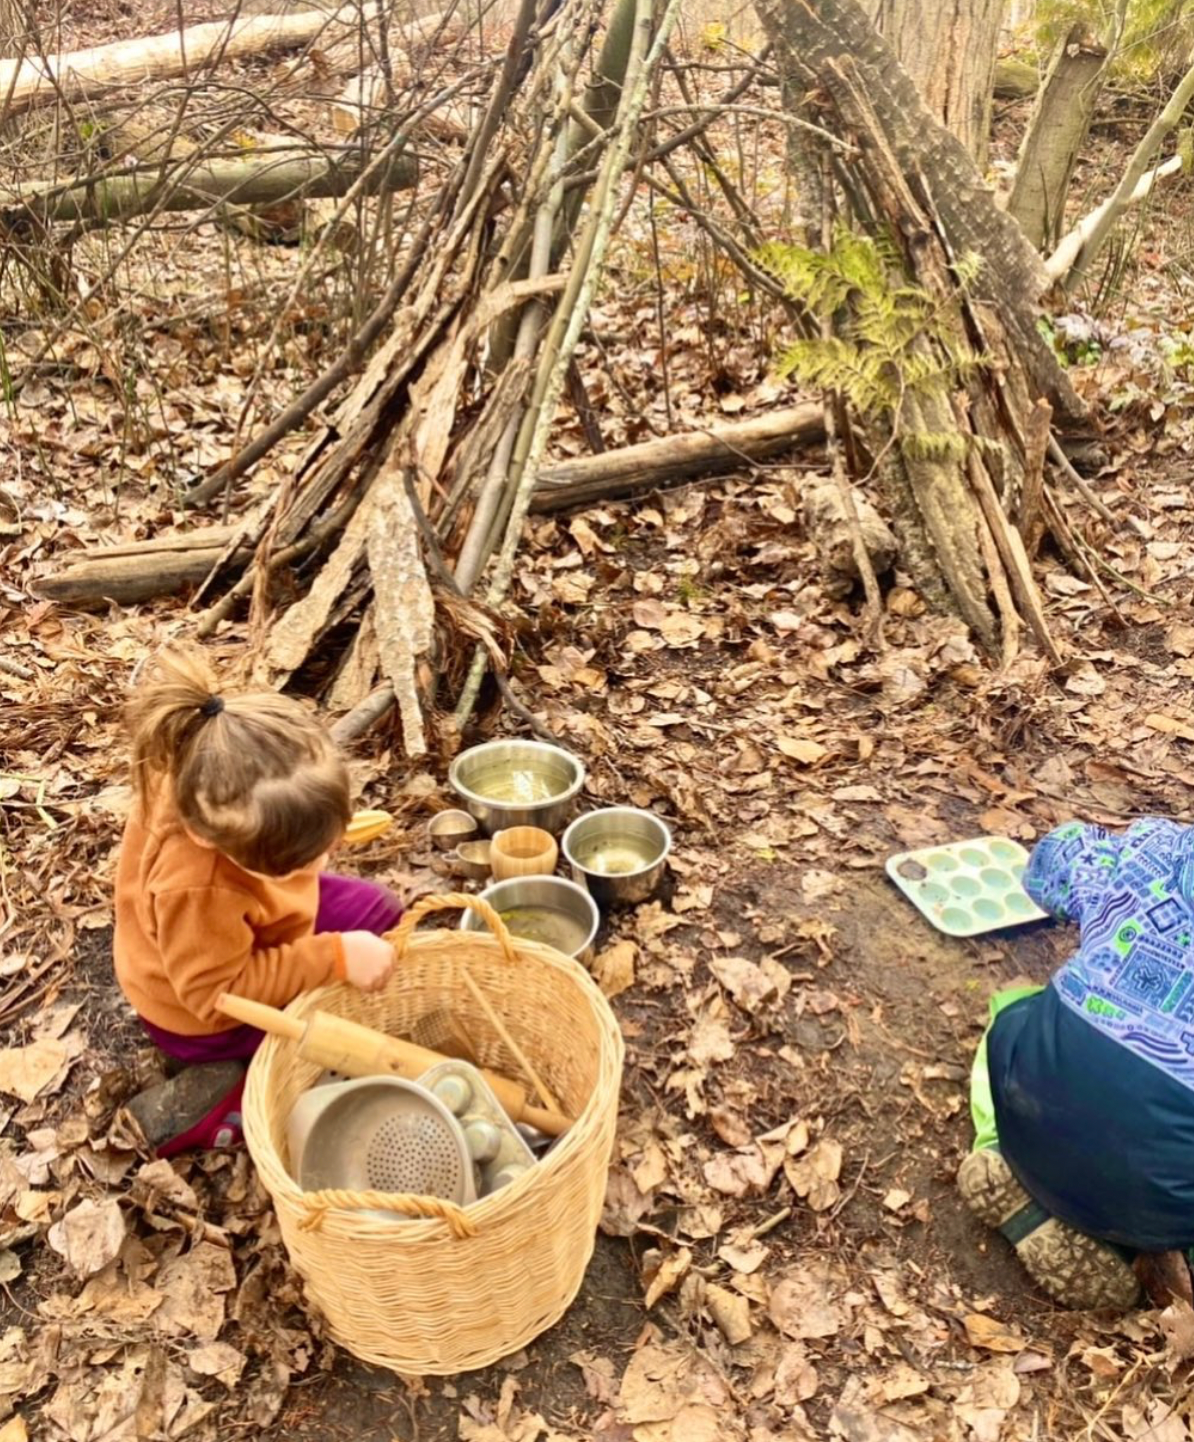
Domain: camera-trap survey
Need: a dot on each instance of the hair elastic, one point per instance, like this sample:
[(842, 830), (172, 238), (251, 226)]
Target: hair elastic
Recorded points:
[(212, 707)]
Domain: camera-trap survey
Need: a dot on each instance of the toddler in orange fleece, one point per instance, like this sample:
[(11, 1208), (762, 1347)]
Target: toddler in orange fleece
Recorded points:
[(220, 885)]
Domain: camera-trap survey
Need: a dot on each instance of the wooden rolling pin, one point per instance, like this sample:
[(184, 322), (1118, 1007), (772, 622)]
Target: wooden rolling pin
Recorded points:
[(355, 1050)]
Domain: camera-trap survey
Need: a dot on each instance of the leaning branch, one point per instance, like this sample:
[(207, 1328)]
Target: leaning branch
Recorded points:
[(1082, 246)]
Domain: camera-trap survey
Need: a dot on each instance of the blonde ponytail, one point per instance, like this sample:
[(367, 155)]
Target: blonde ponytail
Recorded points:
[(254, 775)]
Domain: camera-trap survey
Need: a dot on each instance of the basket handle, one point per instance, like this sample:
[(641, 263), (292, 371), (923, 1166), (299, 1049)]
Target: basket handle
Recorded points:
[(453, 901), (318, 1204)]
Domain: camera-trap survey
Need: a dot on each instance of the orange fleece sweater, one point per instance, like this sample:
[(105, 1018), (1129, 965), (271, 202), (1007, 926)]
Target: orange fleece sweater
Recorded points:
[(190, 924)]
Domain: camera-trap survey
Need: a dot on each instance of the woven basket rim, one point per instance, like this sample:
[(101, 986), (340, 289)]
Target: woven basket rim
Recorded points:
[(284, 1189)]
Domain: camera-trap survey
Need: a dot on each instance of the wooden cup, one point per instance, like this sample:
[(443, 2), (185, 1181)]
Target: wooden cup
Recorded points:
[(522, 851)]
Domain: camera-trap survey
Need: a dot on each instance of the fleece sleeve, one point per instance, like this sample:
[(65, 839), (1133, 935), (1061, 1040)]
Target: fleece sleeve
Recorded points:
[(208, 946), (1072, 867)]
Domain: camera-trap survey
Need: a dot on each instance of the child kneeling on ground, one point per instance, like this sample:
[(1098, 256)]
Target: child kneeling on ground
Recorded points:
[(1083, 1091), (220, 886)]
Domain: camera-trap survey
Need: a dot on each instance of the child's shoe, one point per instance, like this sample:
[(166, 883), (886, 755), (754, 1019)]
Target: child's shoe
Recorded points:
[(1076, 1270), (198, 1108)]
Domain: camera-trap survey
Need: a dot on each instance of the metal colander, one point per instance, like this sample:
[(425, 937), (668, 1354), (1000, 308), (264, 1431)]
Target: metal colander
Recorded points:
[(379, 1134)]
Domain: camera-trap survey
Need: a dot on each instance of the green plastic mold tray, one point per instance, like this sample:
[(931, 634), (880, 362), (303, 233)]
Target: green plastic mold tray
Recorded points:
[(967, 887)]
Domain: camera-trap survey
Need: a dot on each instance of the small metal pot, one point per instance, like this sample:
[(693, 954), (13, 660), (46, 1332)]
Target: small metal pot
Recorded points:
[(542, 891), (641, 831), (476, 772), (471, 859)]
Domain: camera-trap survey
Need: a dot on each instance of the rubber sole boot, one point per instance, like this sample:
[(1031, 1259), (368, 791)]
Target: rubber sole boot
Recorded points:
[(200, 1107), (1076, 1270)]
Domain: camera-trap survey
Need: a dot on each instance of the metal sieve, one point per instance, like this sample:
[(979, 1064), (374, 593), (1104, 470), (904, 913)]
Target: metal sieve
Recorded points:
[(379, 1134)]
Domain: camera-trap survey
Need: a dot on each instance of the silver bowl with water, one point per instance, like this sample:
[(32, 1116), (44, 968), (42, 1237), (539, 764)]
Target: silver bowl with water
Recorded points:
[(617, 854), (546, 909), (517, 783)]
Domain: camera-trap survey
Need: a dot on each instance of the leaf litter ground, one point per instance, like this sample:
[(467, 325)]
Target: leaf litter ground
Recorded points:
[(783, 1255)]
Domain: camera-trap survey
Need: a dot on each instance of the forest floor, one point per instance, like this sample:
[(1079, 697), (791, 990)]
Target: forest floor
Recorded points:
[(783, 1255)]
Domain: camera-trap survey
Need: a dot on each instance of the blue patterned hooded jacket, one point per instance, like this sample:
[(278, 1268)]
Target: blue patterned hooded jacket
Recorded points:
[(1132, 896)]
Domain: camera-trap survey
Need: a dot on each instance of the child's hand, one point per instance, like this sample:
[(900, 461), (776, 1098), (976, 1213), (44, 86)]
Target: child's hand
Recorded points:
[(368, 960)]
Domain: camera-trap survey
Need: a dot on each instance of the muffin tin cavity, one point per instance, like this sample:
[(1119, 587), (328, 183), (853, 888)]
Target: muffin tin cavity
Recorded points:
[(967, 887)]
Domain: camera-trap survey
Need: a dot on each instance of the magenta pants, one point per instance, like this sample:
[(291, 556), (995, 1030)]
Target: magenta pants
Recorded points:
[(346, 903)]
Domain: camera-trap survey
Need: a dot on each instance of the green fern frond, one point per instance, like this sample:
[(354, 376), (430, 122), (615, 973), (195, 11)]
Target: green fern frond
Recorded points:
[(934, 446)]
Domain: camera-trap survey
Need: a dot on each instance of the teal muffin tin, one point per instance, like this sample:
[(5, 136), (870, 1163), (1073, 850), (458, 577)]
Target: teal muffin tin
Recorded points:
[(967, 887)]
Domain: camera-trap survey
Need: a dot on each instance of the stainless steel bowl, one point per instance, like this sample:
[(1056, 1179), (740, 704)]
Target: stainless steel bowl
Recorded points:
[(480, 775), (471, 859), (524, 900), (637, 841), (447, 829)]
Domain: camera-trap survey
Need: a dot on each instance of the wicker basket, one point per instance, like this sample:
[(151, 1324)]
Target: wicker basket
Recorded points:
[(454, 1290)]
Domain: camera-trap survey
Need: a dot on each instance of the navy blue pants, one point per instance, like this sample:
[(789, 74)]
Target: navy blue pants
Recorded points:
[(1099, 1137)]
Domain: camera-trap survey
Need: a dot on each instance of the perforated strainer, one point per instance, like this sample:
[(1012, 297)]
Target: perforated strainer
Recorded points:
[(379, 1134)]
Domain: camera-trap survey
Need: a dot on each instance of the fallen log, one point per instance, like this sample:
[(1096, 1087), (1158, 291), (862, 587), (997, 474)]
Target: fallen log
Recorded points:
[(39, 80), (263, 177), (139, 570), (669, 460)]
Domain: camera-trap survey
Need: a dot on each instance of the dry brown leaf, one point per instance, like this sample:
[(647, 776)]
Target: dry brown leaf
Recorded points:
[(796, 1379), (625, 1205), (814, 1176), (802, 1308), (14, 1430), (651, 1170), (896, 1198), (89, 1236), (159, 1179), (119, 1299), (745, 1257), (710, 1040), (666, 1275), (985, 1401), (26, 1071), (748, 984), (613, 968), (192, 1287), (747, 1172), (666, 1379), (903, 1381), (799, 748), (219, 1360), (10, 1267), (991, 1334), (1177, 1324), (730, 1312), (598, 1373)]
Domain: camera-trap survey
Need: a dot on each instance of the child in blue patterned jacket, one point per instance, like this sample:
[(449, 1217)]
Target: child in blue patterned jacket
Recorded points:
[(1088, 1158)]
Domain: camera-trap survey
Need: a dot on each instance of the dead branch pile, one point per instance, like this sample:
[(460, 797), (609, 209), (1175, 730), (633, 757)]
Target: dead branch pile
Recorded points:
[(399, 527)]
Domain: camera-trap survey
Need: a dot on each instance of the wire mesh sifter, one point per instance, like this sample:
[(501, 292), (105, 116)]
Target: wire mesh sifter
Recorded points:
[(379, 1134)]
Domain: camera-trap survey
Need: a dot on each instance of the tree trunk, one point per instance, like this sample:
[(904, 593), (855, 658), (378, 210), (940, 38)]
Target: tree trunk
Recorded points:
[(264, 178), (948, 49), (808, 35), (12, 27), (1056, 132), (39, 81)]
